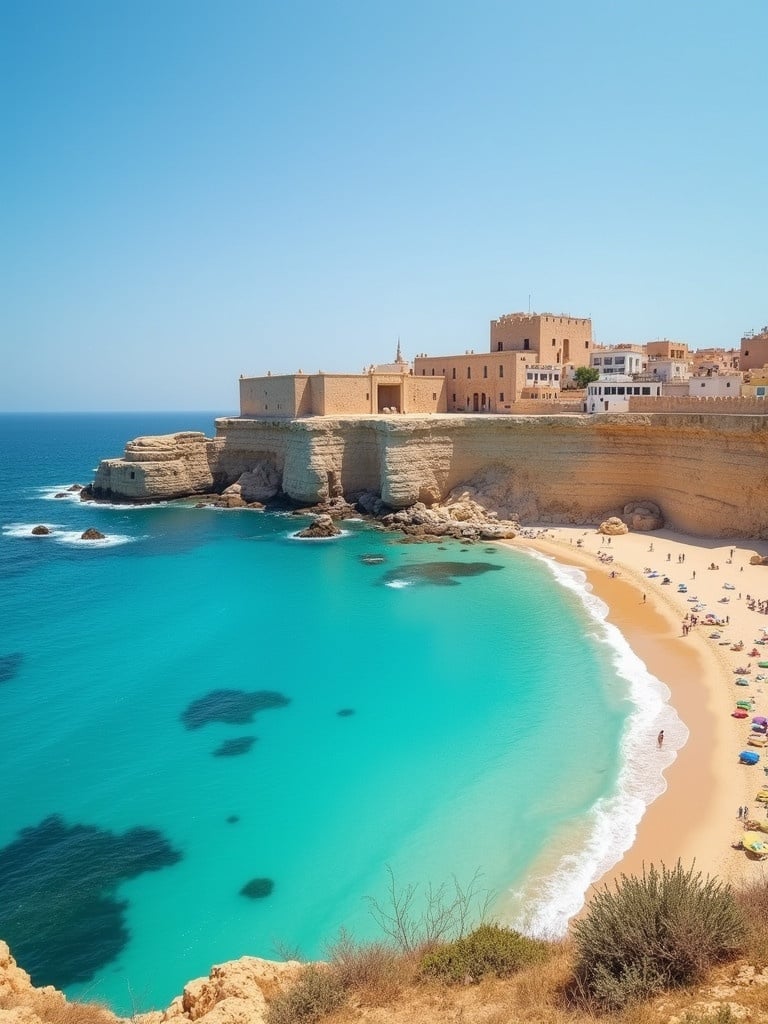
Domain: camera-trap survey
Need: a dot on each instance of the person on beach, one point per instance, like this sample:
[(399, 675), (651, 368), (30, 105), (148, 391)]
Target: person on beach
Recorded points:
[(740, 815), (660, 739), (644, 598)]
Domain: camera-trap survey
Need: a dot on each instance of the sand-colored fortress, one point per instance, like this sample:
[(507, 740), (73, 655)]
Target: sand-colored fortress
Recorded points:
[(410, 433)]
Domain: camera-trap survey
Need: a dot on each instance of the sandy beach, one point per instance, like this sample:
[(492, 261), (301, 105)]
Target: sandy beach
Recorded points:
[(696, 818)]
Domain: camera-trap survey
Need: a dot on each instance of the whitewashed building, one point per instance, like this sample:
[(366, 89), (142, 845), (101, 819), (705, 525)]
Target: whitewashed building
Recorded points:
[(618, 360), (716, 385), (612, 393)]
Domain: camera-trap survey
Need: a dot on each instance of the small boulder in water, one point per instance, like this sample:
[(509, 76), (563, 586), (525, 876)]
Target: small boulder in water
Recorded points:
[(92, 534), (40, 531), (61, 494), (322, 527), (75, 487)]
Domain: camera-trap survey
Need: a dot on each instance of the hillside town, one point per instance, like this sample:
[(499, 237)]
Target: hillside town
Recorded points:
[(536, 363)]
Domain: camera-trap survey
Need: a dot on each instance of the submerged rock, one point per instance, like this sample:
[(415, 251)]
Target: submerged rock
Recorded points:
[(258, 888), (235, 747)]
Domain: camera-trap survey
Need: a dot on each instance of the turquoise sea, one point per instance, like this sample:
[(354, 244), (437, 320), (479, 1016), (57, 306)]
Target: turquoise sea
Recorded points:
[(202, 701)]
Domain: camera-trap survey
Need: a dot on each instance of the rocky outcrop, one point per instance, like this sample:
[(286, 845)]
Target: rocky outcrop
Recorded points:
[(613, 527), (238, 992), (759, 560), (92, 534), (707, 471), (461, 519), (322, 528), (40, 531), (159, 468)]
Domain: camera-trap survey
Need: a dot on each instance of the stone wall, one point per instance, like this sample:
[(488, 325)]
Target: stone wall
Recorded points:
[(707, 472), (706, 405)]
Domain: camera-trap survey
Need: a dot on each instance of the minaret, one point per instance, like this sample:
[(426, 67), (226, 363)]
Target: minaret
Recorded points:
[(399, 354)]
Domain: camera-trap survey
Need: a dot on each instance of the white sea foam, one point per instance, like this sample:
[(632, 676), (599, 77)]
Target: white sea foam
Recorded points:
[(398, 584), (49, 493), (612, 823), (62, 535)]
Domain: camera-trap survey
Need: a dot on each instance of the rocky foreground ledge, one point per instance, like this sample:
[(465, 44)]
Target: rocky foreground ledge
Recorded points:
[(233, 993)]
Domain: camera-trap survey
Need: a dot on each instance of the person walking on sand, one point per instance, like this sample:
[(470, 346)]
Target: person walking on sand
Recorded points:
[(660, 739), (644, 598), (740, 815)]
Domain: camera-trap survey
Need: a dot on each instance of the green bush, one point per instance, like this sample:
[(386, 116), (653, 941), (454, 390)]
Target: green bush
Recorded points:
[(658, 931), (489, 949), (315, 993)]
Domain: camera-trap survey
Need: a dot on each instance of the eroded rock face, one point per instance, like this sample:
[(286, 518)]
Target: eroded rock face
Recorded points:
[(92, 534), (157, 468), (260, 483), (238, 991), (322, 528), (613, 527), (643, 516)]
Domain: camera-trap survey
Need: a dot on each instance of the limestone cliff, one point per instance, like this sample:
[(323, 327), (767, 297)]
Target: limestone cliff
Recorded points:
[(237, 992), (707, 473)]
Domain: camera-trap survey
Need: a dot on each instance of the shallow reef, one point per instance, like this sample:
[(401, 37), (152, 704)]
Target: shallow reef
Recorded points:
[(234, 707), (58, 910), (10, 665), (235, 747), (439, 574)]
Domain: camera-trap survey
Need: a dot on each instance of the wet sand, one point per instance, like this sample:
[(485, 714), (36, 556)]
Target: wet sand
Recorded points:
[(696, 818)]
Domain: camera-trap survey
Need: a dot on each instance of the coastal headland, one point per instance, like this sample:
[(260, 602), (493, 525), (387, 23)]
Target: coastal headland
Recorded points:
[(707, 472)]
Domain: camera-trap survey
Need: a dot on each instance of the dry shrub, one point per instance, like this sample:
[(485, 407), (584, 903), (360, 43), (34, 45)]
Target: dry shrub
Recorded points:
[(315, 993), (374, 971), (753, 900), (52, 1008), (655, 932)]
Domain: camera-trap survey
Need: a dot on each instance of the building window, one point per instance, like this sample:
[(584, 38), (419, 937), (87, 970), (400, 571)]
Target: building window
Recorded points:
[(433, 371), (133, 475), (646, 391), (469, 373), (453, 398), (728, 384), (553, 343), (453, 373), (485, 371), (424, 373), (434, 396), (367, 396), (499, 347), (501, 396), (501, 370), (526, 344)]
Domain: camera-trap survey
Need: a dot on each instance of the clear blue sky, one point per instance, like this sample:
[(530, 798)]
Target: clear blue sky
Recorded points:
[(194, 190)]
